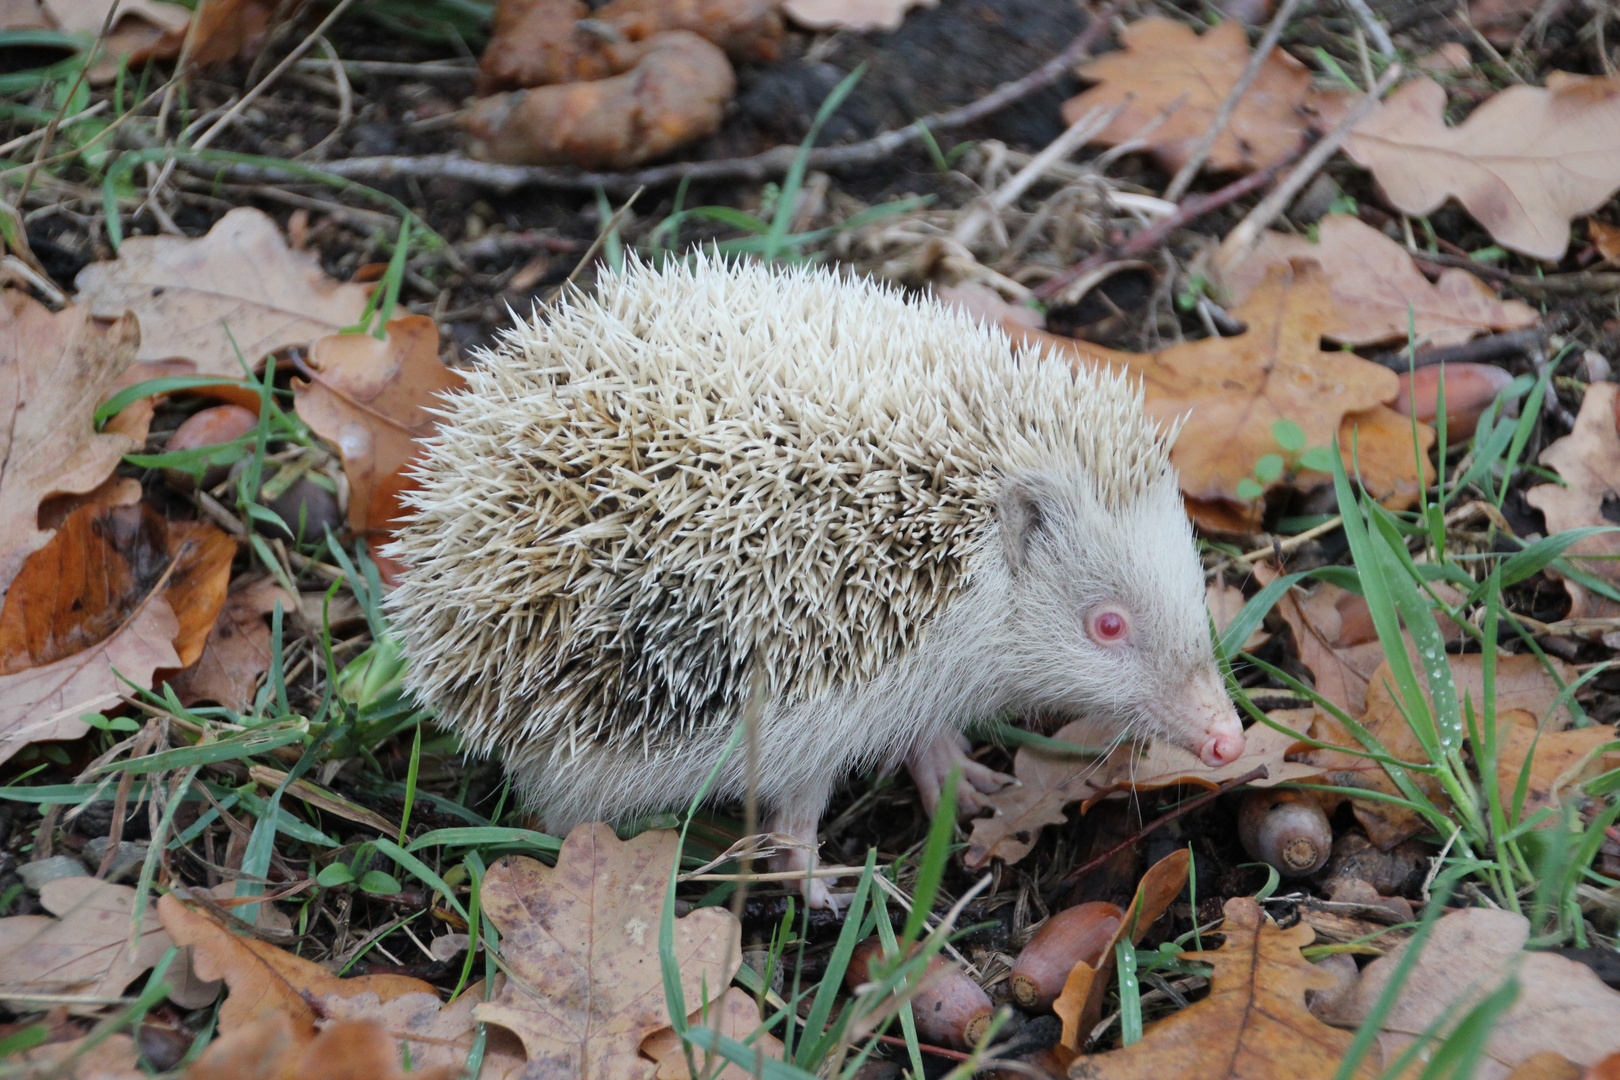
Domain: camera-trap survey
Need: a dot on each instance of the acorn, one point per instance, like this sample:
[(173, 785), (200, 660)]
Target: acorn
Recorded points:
[(1286, 829), (212, 426), (1074, 935), (950, 1010)]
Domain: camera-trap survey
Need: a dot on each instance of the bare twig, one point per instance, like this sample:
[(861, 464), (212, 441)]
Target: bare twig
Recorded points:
[(764, 166), (1223, 116), (1242, 240), (1375, 29)]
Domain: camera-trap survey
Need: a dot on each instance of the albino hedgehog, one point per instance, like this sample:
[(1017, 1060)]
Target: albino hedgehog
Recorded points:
[(718, 487)]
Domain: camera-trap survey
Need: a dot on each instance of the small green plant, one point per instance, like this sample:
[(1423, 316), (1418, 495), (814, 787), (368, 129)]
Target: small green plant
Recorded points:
[(1290, 437)]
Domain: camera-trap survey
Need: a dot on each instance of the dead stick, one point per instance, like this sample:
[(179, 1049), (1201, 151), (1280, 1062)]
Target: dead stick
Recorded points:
[(1223, 116), (1151, 237), (1259, 772), (762, 166)]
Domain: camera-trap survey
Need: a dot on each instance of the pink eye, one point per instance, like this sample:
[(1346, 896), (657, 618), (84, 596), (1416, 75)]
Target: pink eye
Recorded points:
[(1109, 627)]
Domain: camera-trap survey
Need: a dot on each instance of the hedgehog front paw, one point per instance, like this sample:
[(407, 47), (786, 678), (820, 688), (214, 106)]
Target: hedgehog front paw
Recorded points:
[(930, 766), (801, 825)]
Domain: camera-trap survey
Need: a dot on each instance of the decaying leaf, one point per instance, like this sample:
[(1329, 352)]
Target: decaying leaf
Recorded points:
[(1378, 292), (1237, 388), (1080, 1004), (84, 1058), (83, 951), (1605, 237), (1224, 603), (264, 980), (1524, 164), (436, 1034), (1588, 459), (1166, 66), (240, 282), (1562, 1005), (673, 91), (237, 650), (1253, 1024), (581, 945), (860, 16), (54, 370), (370, 398), (1334, 638), (735, 1016)]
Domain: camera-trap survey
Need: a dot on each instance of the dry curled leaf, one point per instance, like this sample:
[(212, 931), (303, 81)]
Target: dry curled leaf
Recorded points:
[(540, 42), (54, 370), (237, 650), (1562, 1005), (1079, 1006), (264, 980), (1253, 1025), (1588, 460), (239, 283), (673, 92), (1047, 783), (370, 398), (433, 1032), (1378, 292), (83, 950), (1525, 163), (580, 942), (1164, 65)]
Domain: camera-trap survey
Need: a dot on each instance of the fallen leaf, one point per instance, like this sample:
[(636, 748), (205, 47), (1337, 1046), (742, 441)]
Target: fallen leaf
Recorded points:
[(237, 651), (1501, 20), (270, 1049), (1237, 388), (1588, 459), (1558, 759), (83, 951), (736, 1016), (100, 567), (371, 399), (1224, 603), (54, 370), (580, 942), (1605, 237), (1342, 659), (1378, 292), (264, 980), (114, 1058), (240, 282), (1079, 1006), (1253, 1024), (46, 702), (1164, 64), (1047, 783), (1165, 765), (1524, 164), (860, 16), (435, 1034), (1562, 1005)]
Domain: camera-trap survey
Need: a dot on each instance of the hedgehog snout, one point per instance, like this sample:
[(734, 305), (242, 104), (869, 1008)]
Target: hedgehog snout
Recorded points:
[(1216, 734)]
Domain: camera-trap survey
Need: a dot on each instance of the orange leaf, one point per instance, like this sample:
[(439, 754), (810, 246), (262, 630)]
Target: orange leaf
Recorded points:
[(1588, 459)]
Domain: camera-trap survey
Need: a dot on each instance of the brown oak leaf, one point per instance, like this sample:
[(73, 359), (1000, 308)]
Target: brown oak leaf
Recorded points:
[(436, 1033), (1588, 459), (1525, 163), (84, 949), (580, 942), (1378, 292), (54, 370), (1165, 65), (241, 283), (1253, 1025), (270, 1049), (735, 1016), (237, 651)]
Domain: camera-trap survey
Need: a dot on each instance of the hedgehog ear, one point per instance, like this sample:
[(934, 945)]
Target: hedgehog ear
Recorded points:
[(1025, 513)]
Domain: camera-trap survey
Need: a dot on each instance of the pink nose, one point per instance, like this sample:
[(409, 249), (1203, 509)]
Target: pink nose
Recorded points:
[(1224, 744)]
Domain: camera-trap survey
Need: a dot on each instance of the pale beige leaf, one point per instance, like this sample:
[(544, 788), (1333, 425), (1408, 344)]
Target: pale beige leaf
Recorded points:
[(241, 276), (1562, 1005), (736, 1016), (860, 16), (1588, 459), (46, 702), (1375, 285), (580, 941), (54, 370), (437, 1033), (87, 16), (83, 950), (1524, 163)]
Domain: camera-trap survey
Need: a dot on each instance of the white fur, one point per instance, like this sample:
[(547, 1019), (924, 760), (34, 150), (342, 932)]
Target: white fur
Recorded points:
[(713, 470)]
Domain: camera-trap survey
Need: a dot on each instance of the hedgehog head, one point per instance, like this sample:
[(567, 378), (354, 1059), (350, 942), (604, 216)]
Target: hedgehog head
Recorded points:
[(1106, 598)]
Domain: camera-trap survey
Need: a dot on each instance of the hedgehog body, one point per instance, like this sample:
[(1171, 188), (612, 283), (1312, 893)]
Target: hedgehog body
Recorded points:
[(716, 488)]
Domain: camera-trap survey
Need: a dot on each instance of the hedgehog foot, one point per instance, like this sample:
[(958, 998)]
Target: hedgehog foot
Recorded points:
[(801, 823), (930, 766)]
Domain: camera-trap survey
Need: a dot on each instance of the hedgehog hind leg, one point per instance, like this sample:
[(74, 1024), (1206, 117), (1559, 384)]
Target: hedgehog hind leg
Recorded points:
[(931, 763), (800, 820)]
